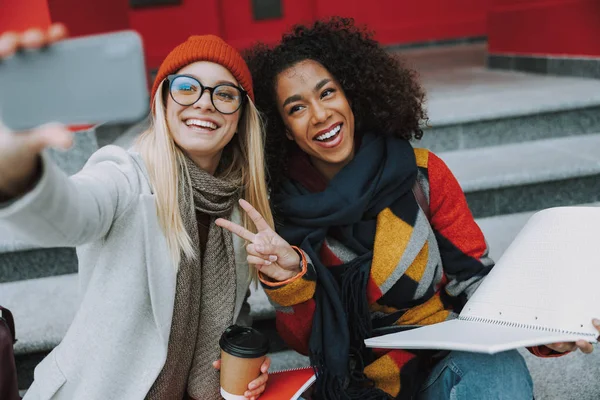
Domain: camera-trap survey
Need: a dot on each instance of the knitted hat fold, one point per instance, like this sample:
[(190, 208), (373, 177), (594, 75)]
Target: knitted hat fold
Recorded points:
[(205, 48)]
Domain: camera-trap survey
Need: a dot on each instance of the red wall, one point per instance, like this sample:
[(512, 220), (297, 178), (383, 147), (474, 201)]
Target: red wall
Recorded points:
[(18, 15), (164, 27), (556, 27), (545, 27), (85, 17), (82, 17), (395, 21), (402, 21), (241, 30)]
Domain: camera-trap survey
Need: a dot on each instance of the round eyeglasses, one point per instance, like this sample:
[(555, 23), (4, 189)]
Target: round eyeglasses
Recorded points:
[(185, 90)]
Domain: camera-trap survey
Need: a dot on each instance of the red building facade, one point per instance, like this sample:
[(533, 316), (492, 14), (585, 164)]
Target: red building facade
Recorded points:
[(514, 28)]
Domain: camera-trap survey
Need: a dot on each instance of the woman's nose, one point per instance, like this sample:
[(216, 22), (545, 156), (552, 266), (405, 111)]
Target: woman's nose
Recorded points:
[(320, 114), (204, 101)]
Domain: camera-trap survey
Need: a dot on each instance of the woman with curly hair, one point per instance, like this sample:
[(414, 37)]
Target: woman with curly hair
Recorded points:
[(386, 239)]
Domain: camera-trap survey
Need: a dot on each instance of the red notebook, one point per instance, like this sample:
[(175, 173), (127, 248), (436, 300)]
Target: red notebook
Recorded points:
[(288, 384)]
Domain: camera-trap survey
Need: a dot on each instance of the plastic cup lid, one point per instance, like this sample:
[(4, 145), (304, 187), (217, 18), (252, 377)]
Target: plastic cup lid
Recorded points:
[(244, 342)]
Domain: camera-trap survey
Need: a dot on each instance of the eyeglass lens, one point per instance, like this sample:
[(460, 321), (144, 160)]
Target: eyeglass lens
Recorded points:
[(186, 91)]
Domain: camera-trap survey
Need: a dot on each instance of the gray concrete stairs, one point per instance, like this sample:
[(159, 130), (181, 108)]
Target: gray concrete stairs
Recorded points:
[(470, 106), (516, 142)]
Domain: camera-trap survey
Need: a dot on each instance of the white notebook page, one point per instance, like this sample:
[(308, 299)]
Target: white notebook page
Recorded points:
[(548, 277)]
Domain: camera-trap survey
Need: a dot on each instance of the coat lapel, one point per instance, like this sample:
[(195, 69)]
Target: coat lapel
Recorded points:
[(162, 276)]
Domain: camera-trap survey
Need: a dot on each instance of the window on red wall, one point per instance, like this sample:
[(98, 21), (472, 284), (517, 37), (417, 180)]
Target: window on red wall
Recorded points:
[(266, 9), (150, 3)]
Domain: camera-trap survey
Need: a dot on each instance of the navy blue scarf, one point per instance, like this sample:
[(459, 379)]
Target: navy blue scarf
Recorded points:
[(382, 172)]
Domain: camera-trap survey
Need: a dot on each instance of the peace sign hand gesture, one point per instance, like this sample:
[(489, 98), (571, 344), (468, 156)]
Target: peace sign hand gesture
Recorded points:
[(267, 251)]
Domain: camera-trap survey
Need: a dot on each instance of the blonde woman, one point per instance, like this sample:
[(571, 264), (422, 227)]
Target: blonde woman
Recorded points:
[(159, 280)]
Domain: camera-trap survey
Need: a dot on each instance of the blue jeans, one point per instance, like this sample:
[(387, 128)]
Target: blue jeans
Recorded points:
[(473, 376)]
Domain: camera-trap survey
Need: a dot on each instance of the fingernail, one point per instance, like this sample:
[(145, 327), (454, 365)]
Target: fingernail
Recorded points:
[(272, 258), (267, 262), (6, 41), (596, 321)]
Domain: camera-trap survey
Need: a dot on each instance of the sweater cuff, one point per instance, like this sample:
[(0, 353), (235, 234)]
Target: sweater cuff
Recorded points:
[(296, 290), (303, 265)]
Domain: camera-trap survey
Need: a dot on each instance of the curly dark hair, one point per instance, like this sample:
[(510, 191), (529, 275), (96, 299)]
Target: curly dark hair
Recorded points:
[(385, 95)]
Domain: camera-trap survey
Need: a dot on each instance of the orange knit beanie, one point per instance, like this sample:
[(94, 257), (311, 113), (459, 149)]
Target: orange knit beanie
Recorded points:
[(205, 48)]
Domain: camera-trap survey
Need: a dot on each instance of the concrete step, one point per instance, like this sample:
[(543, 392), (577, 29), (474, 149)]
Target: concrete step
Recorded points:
[(470, 106), (36, 263), (43, 309), (528, 176)]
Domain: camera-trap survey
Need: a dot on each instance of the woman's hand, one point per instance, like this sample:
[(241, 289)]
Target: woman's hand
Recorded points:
[(267, 251), (19, 151), (19, 156), (257, 386), (585, 347)]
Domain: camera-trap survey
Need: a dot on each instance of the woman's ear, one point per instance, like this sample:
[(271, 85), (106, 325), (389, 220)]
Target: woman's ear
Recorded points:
[(288, 134)]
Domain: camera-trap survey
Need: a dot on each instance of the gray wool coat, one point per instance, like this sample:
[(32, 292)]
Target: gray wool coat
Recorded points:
[(117, 344)]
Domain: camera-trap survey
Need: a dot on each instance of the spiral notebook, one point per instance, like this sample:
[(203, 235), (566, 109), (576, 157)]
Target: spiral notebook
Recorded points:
[(544, 289), (290, 384)]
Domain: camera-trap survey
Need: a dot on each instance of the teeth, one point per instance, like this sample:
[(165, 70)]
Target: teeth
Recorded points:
[(329, 134), (200, 123)]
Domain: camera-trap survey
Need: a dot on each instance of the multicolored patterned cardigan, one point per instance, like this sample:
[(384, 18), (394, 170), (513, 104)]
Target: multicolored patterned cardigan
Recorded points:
[(464, 255)]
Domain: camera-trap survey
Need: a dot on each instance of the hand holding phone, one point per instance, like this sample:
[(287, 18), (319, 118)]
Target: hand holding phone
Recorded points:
[(88, 80), (19, 156)]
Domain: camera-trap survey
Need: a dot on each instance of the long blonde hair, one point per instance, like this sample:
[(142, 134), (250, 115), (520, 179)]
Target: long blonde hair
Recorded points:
[(165, 163)]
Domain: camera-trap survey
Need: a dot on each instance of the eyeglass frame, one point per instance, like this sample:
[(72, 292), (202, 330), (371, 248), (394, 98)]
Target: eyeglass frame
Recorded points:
[(170, 78)]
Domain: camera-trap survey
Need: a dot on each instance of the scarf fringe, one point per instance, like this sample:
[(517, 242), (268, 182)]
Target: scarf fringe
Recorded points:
[(356, 387), (354, 298)]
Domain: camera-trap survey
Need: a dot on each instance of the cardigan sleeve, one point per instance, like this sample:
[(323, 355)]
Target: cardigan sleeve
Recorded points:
[(61, 211), (463, 248)]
